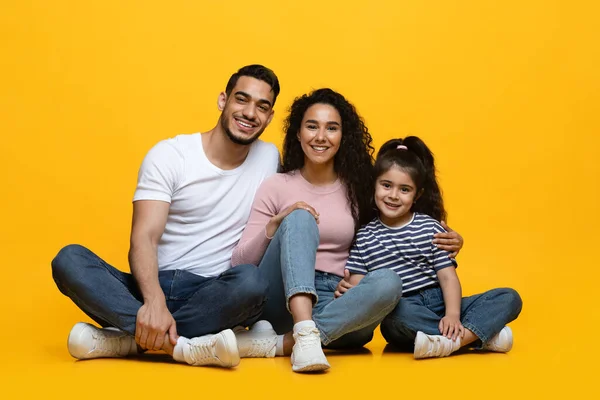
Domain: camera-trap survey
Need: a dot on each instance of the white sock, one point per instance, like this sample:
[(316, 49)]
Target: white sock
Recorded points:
[(178, 349), (279, 347), (309, 323)]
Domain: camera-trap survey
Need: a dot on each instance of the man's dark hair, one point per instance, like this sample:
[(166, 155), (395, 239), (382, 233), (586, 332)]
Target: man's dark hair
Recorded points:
[(256, 71)]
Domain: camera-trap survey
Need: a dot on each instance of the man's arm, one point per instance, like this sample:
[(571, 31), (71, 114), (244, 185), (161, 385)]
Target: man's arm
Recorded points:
[(153, 318)]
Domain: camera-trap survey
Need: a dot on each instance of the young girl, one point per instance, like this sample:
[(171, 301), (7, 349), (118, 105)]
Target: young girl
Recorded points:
[(431, 315)]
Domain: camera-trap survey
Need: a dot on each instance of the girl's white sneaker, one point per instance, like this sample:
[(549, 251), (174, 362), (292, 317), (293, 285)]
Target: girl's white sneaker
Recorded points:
[(427, 346), (502, 342)]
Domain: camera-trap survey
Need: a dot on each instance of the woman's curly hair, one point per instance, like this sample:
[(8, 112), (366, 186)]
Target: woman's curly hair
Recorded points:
[(353, 162)]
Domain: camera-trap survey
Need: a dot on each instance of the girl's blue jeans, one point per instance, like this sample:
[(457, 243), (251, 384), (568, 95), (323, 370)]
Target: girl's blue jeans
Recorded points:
[(484, 314)]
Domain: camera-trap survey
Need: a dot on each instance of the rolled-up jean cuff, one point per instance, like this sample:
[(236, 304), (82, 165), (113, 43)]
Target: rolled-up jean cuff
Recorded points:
[(477, 332), (300, 290)]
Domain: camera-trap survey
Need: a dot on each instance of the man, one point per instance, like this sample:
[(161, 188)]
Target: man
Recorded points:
[(192, 202)]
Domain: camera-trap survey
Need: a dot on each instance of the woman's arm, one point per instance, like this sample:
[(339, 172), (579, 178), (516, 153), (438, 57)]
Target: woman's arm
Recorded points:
[(254, 241)]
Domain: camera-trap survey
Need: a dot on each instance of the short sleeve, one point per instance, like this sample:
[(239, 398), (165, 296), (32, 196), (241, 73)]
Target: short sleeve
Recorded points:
[(160, 173), (356, 263), (440, 258)]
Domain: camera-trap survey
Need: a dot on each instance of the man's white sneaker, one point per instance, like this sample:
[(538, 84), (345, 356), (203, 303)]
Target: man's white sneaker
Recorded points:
[(219, 349), (87, 341), (427, 346), (259, 341), (307, 354), (501, 343)]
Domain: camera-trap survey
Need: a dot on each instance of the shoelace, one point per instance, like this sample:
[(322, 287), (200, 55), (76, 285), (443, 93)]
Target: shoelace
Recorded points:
[(440, 347), (308, 338), (202, 350)]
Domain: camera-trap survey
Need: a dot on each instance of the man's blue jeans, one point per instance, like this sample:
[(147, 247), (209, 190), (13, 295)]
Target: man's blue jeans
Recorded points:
[(289, 265), (484, 314), (198, 304)]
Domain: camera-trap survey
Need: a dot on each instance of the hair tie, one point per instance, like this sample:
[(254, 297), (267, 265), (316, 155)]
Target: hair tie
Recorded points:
[(401, 147)]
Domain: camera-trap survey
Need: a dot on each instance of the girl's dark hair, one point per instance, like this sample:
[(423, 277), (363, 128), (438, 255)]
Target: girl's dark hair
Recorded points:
[(353, 162), (417, 161)]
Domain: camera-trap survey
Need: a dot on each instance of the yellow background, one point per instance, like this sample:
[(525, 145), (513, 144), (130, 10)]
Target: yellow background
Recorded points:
[(507, 94)]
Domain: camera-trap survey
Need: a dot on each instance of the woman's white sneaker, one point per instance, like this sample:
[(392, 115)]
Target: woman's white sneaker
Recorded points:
[(87, 341), (259, 341), (307, 354)]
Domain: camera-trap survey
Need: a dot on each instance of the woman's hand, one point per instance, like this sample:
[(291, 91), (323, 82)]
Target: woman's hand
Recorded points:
[(275, 221), (450, 241)]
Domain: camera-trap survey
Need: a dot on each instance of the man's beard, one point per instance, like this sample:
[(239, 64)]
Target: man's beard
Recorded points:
[(235, 139)]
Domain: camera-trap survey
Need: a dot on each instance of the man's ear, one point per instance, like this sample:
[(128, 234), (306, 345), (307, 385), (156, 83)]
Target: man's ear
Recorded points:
[(270, 117), (221, 101)]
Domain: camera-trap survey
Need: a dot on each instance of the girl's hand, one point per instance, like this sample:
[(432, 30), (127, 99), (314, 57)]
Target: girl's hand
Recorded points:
[(344, 285), (451, 327), (450, 241), (275, 221)]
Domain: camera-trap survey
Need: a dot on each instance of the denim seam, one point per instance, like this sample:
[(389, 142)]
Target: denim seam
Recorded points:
[(171, 287)]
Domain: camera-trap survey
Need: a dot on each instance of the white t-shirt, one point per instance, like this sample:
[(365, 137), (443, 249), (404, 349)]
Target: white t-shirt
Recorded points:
[(209, 206)]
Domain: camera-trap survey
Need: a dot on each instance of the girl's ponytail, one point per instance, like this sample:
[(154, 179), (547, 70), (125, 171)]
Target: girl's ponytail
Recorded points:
[(431, 201)]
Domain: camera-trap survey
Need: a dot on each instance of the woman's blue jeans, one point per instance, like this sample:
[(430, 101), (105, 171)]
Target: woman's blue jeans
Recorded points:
[(289, 266)]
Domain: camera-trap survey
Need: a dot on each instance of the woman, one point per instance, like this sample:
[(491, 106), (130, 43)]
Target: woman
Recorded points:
[(302, 225)]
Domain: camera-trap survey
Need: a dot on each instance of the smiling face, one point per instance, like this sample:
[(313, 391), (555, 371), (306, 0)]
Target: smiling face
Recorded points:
[(247, 110), (395, 193), (320, 134)]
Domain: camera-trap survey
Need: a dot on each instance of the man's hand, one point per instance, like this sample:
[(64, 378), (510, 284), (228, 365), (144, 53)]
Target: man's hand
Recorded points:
[(343, 285), (450, 241), (153, 321)]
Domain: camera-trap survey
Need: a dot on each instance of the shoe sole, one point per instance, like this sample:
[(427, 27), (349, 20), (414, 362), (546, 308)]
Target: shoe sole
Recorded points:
[(75, 333), (311, 367), (232, 349)]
